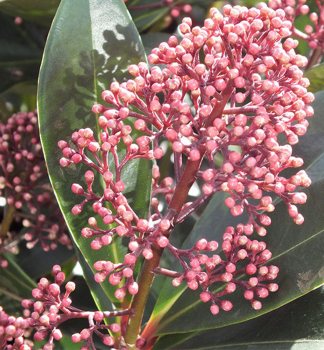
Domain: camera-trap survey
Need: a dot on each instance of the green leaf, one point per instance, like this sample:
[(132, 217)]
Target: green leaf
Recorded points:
[(316, 78), (297, 325), (65, 343), (37, 11), (20, 57), (151, 40), (12, 306), (88, 46), (38, 263), (144, 18), (297, 251), (95, 288), (14, 282)]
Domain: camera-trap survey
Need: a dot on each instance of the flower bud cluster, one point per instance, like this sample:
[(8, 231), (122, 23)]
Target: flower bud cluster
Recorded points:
[(243, 266), (178, 9), (25, 185), (13, 331), (231, 83), (313, 33), (54, 306)]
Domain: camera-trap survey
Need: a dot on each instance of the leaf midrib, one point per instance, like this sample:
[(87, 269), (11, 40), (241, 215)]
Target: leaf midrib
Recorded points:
[(263, 343)]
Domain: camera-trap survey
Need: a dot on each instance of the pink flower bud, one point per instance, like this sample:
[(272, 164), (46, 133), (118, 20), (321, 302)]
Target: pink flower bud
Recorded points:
[(147, 253), (162, 241), (76, 337), (108, 340), (165, 225), (133, 288), (256, 305), (250, 269)]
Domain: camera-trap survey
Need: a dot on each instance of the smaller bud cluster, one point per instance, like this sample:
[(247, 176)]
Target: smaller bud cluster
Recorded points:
[(13, 331), (178, 9), (25, 185), (243, 266), (53, 306), (142, 233), (313, 33)]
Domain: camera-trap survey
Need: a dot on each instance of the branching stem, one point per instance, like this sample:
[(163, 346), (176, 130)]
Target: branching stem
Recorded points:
[(178, 200)]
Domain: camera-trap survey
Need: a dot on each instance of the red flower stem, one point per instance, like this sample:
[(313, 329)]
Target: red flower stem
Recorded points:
[(87, 314), (315, 57), (166, 272), (178, 200), (147, 275), (192, 207), (239, 110), (300, 34)]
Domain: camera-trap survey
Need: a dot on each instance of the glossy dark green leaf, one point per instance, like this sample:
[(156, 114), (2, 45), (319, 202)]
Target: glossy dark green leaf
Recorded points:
[(14, 282), (316, 78), (152, 40), (297, 325), (145, 17), (82, 58), (95, 288), (37, 11), (12, 306), (65, 343), (297, 250), (38, 263), (20, 57)]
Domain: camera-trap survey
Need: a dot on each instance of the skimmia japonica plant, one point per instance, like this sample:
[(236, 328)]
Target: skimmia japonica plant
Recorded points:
[(229, 100)]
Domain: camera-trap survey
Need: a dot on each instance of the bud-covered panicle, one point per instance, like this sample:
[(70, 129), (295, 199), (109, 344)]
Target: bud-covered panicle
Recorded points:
[(228, 89), (314, 32), (13, 331), (25, 185), (53, 306)]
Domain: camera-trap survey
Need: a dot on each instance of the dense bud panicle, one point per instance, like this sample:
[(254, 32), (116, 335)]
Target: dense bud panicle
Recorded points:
[(25, 184), (13, 331), (245, 89), (53, 307), (313, 33)]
